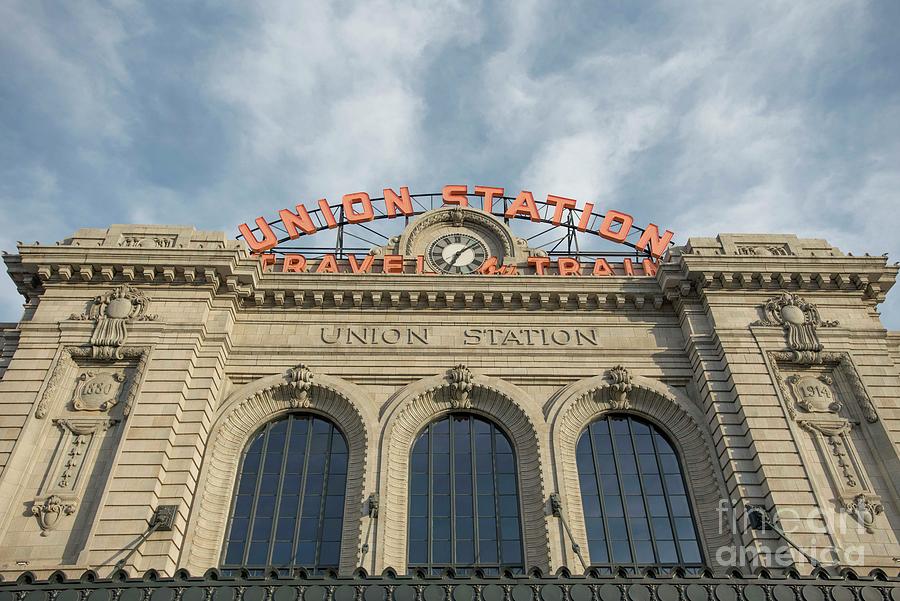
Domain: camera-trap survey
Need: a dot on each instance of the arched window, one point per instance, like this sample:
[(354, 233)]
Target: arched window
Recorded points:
[(636, 506), (288, 503), (464, 498)]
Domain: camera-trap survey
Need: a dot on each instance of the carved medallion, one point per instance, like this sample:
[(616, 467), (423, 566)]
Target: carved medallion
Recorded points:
[(814, 394), (98, 390)]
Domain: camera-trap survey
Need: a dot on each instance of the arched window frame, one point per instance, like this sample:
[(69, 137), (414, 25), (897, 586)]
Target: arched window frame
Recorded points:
[(572, 408), (488, 567), (410, 408), (680, 544), (325, 511), (248, 407)]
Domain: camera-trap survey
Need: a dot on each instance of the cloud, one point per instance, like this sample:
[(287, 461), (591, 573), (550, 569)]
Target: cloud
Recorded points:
[(704, 117)]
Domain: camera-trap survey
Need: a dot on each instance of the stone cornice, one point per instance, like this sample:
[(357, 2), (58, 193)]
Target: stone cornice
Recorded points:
[(234, 273), (684, 275), (228, 269)]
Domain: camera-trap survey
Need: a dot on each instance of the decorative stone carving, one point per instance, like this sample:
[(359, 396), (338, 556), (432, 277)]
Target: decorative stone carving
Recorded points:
[(852, 487), (814, 394), (98, 390), (148, 241), (456, 216), (461, 381), (65, 372), (776, 250), (799, 319), (65, 363), (111, 313), (846, 368), (300, 380), (842, 366), (620, 385), (51, 510), (865, 508), (78, 441), (821, 406)]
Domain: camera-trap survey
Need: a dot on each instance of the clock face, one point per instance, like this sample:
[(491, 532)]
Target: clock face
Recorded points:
[(457, 253)]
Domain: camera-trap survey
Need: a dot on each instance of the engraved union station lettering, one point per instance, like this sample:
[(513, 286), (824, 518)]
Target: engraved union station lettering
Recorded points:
[(531, 336), (357, 335), (406, 336)]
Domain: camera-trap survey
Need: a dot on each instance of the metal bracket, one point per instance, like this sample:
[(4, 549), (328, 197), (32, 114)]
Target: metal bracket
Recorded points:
[(556, 511), (164, 517), (758, 518), (372, 505)]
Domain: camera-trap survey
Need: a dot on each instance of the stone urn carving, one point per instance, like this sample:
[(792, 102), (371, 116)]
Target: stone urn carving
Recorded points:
[(865, 510), (50, 511)]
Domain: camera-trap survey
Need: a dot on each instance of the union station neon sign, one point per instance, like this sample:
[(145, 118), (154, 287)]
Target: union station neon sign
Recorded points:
[(359, 208)]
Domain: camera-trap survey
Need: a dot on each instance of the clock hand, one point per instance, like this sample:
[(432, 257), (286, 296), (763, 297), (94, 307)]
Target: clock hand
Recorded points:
[(461, 251)]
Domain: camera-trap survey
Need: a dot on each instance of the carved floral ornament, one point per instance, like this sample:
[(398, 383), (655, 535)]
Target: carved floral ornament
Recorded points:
[(300, 380), (456, 388), (111, 312), (461, 381), (762, 250), (621, 385), (618, 383), (799, 319)]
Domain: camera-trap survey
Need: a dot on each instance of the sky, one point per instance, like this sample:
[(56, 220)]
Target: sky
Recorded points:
[(705, 117)]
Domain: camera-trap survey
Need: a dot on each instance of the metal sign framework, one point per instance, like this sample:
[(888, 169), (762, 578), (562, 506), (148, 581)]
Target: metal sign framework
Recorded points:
[(567, 245)]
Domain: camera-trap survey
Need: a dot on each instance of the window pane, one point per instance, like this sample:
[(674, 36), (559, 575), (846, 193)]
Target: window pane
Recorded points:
[(594, 528), (465, 552), (629, 475), (690, 552), (293, 453), (465, 528)]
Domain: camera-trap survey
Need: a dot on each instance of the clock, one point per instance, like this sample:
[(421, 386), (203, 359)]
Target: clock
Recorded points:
[(457, 253)]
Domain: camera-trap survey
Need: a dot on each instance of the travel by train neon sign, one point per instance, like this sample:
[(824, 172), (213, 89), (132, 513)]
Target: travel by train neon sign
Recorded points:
[(300, 223)]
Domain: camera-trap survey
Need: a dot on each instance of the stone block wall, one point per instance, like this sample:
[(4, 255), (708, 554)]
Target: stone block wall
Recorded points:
[(166, 347)]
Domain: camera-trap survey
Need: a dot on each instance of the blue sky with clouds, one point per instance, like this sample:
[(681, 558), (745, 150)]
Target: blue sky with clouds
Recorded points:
[(704, 116)]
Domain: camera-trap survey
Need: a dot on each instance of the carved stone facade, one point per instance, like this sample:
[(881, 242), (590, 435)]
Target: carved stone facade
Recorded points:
[(148, 356)]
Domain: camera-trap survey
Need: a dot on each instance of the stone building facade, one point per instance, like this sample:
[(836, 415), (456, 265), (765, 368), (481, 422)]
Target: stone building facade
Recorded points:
[(148, 357)]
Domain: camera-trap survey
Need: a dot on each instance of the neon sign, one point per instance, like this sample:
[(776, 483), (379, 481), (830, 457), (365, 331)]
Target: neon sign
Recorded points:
[(359, 208)]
